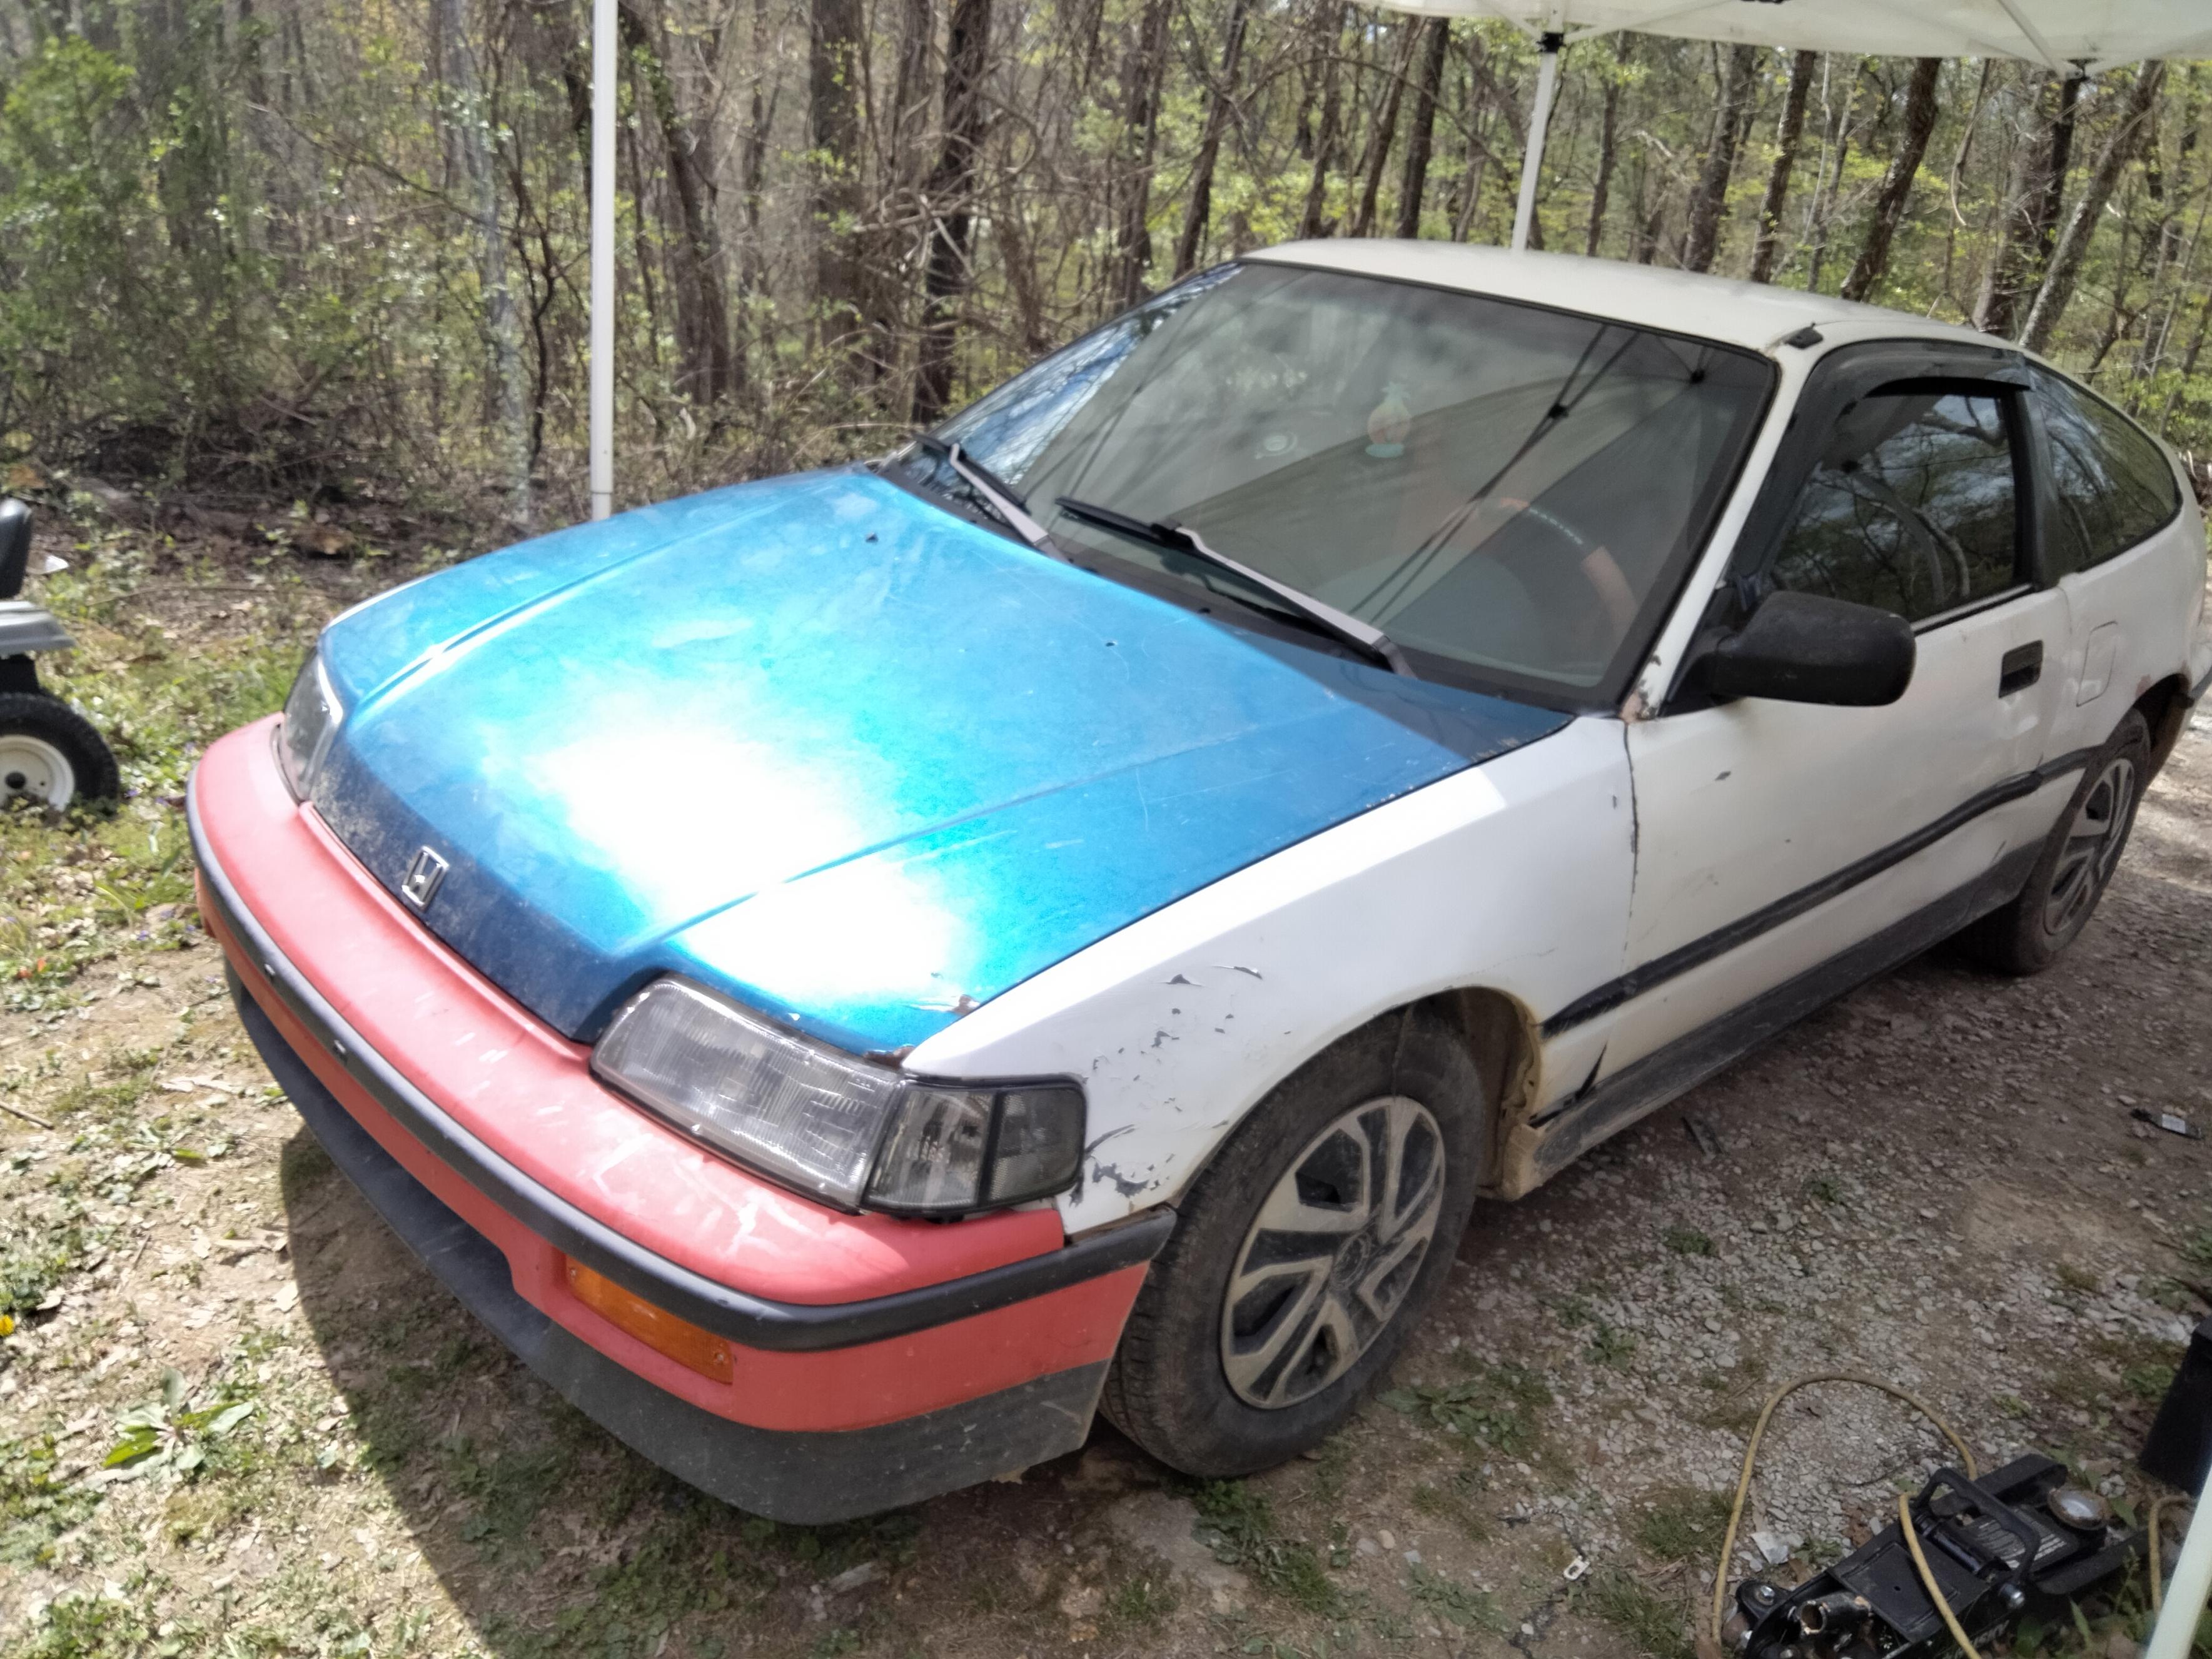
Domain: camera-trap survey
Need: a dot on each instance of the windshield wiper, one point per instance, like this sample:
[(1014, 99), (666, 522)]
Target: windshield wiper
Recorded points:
[(1181, 539), (996, 495)]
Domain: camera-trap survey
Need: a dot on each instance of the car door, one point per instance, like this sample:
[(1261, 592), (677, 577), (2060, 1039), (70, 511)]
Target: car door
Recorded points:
[(2113, 519), (1779, 842)]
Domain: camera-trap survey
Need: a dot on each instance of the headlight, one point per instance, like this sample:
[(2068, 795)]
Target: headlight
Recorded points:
[(831, 1126), (312, 714)]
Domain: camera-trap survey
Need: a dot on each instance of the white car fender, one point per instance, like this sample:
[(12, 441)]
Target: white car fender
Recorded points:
[(1512, 876)]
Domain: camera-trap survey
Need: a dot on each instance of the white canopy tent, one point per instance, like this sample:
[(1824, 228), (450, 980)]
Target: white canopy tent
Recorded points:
[(2061, 34)]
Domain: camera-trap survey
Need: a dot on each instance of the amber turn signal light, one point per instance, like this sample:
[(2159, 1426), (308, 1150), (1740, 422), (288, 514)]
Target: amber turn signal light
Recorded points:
[(659, 1329)]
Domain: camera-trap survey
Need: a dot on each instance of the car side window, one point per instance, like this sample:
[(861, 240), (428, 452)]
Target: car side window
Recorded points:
[(2110, 484), (1913, 507)]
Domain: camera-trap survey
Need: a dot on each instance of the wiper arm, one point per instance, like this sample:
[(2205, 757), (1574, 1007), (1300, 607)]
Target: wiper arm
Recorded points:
[(1181, 539), (997, 496)]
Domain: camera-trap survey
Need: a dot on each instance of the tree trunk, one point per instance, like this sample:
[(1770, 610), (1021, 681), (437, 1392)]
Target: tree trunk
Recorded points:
[(910, 92), (1413, 184), (2034, 193), (2066, 259), (1142, 73), (1768, 249), (1709, 204), (1219, 106), (1830, 184), (468, 133), (1384, 135), (834, 46), (1609, 144), (709, 369), (1312, 221), (1897, 182), (950, 190)]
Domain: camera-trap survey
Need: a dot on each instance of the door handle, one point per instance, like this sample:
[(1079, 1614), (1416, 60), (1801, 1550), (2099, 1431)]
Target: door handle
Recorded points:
[(2021, 667)]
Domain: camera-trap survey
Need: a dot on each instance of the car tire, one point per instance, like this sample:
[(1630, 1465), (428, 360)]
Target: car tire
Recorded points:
[(1396, 1110), (51, 753), (2076, 865)]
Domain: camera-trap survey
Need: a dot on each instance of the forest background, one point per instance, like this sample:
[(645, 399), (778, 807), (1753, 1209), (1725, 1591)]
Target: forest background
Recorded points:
[(310, 251)]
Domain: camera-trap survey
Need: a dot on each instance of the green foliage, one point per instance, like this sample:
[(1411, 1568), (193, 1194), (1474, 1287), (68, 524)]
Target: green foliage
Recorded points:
[(1238, 1525), (37, 1503), (1688, 1241), (1497, 1407), (1653, 1625), (168, 1434), (1472, 1609), (1683, 1524)]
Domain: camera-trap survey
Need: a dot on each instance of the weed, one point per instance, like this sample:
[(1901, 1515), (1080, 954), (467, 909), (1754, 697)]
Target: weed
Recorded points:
[(1573, 1311), (1611, 1346), (1683, 1524), (1653, 1625), (2148, 1381), (1824, 1188), (168, 1434), (1238, 1525), (1497, 1407), (1141, 1602), (36, 1505), (1452, 1503), (88, 1627), (1688, 1241), (1471, 1609)]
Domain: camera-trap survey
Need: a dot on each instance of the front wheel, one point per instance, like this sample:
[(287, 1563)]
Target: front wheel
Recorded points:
[(51, 754), (2077, 861), (1305, 1253)]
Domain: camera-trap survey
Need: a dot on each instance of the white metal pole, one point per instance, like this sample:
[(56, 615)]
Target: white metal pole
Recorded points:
[(1547, 83), (603, 259), (2192, 1581)]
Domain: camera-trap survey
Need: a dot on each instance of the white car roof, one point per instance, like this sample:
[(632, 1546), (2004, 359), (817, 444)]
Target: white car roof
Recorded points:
[(1753, 315)]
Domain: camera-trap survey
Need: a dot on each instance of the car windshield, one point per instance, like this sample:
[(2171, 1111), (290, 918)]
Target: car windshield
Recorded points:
[(1502, 489)]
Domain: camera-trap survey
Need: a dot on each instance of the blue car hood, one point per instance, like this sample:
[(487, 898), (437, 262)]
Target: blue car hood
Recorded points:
[(838, 752)]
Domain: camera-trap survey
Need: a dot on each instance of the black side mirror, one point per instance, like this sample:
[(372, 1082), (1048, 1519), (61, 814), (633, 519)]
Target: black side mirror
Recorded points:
[(1803, 647), (14, 546)]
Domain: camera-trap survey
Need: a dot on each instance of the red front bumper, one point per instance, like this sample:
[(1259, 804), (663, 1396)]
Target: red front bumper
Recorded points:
[(836, 1323)]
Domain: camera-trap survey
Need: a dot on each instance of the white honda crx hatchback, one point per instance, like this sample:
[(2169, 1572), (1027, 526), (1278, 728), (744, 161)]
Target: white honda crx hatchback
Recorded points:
[(1337, 741)]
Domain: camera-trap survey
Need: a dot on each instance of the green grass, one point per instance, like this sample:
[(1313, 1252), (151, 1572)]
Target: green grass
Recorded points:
[(1683, 1524), (1238, 1525), (1654, 1624), (1461, 1604), (1499, 1406), (1688, 1241), (1612, 1347)]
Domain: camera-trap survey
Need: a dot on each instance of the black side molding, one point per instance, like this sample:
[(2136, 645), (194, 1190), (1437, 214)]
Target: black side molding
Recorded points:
[(1744, 928), (753, 1321)]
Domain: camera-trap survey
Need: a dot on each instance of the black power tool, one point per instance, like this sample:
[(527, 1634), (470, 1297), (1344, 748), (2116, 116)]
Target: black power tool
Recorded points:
[(2019, 1541)]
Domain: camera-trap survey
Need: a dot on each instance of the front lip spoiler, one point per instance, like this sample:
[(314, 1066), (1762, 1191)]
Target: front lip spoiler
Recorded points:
[(753, 1321)]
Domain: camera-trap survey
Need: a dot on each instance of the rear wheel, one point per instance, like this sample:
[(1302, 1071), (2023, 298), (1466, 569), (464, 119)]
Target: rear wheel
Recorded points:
[(1305, 1253), (2077, 861), (51, 755)]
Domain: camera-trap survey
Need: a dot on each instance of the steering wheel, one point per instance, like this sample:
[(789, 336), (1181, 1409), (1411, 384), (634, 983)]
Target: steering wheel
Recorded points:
[(1616, 602)]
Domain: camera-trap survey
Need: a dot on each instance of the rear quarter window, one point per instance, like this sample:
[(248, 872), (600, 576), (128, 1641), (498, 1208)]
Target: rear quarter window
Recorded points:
[(2111, 485)]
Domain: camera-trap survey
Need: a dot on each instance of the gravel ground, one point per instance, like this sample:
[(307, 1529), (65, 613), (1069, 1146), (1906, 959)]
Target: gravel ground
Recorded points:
[(1938, 1182)]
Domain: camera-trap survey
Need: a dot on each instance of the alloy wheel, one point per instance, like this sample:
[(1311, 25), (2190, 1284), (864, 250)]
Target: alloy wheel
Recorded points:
[(1332, 1252), (2093, 846)]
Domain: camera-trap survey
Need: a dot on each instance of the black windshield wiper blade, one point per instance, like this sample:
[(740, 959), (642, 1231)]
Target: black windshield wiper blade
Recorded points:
[(995, 490), (1181, 539)]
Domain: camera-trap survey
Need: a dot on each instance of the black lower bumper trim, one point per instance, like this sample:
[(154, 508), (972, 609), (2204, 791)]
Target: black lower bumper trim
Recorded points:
[(754, 1322), (808, 1477)]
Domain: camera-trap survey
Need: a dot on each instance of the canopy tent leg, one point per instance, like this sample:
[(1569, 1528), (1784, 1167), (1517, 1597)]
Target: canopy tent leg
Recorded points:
[(1540, 120), (602, 394)]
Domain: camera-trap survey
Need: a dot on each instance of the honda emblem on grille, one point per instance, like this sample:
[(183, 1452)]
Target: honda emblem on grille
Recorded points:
[(423, 875)]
